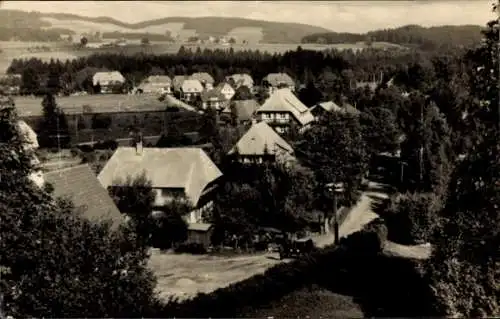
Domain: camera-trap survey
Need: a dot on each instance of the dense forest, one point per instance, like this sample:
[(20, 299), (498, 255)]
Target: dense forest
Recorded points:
[(342, 67), (432, 38)]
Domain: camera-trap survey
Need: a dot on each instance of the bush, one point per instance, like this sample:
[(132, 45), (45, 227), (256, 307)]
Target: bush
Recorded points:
[(412, 217), (191, 248)]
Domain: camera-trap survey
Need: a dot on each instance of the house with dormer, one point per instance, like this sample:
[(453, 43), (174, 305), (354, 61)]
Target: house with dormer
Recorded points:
[(275, 81), (186, 174), (283, 109), (261, 144)]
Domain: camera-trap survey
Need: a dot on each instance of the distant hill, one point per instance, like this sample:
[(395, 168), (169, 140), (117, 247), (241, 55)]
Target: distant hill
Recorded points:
[(411, 35), (21, 24)]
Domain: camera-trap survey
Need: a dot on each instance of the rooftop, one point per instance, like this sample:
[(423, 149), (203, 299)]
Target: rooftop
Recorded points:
[(283, 100), (259, 138), (187, 168), (81, 186)]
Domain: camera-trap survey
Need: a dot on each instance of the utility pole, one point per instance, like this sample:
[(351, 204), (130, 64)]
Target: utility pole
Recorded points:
[(335, 188)]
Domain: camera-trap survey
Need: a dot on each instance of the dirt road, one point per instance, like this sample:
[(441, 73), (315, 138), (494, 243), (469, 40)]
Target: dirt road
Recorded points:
[(360, 215)]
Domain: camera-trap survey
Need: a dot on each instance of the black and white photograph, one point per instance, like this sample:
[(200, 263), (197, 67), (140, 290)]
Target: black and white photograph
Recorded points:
[(249, 159)]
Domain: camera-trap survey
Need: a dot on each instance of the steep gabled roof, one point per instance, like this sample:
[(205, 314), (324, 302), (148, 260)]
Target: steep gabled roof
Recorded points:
[(275, 79), (220, 87), (186, 168), (245, 109), (283, 100), (106, 77), (202, 77), (331, 106), (81, 186), (259, 137), (191, 85)]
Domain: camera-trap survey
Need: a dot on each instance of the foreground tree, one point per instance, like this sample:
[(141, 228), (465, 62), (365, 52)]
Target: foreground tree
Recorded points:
[(464, 268), (336, 151), (134, 198), (55, 263), (54, 132)]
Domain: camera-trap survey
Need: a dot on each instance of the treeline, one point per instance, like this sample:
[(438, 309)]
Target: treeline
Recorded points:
[(32, 34), (432, 38), (303, 65), (136, 36)]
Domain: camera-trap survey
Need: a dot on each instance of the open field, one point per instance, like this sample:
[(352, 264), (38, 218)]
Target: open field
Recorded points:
[(184, 275)]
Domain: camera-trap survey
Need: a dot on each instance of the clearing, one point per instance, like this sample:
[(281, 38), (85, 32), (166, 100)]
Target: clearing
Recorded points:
[(185, 275)]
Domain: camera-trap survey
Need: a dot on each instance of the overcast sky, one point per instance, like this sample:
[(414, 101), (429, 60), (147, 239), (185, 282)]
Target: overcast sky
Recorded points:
[(340, 16)]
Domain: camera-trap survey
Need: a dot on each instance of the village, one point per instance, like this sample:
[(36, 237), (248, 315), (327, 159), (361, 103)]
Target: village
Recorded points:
[(185, 171), (228, 181)]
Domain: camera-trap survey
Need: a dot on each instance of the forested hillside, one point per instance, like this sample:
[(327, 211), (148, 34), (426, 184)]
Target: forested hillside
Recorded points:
[(411, 35)]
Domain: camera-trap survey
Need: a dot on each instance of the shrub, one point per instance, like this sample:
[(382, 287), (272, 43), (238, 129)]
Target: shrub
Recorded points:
[(411, 218)]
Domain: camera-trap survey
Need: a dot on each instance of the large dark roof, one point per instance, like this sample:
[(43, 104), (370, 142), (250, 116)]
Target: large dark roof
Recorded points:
[(80, 184)]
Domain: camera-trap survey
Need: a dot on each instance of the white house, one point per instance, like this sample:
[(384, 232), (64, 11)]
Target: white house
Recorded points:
[(225, 89), (282, 109), (107, 79), (160, 84)]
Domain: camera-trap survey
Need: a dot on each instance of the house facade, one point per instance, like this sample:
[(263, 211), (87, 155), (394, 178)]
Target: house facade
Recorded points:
[(275, 81), (106, 80), (190, 90), (283, 109), (184, 174), (213, 99), (156, 84), (261, 144), (225, 89)]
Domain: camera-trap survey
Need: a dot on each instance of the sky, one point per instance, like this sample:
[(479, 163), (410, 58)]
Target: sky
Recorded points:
[(339, 16)]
